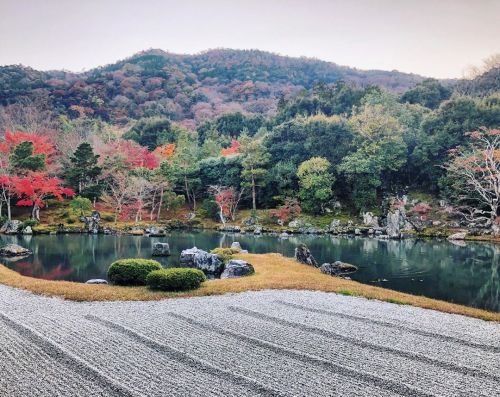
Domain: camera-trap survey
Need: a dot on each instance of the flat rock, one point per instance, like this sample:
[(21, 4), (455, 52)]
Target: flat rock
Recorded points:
[(96, 281), (237, 268), (337, 268), (14, 250), (458, 236)]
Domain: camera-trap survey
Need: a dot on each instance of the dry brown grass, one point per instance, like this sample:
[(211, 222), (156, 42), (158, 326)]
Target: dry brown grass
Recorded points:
[(272, 271)]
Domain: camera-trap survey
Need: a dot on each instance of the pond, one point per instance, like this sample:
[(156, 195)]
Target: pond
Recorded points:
[(465, 273)]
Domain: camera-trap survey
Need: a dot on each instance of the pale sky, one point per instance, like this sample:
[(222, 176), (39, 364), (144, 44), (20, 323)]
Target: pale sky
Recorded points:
[(437, 38)]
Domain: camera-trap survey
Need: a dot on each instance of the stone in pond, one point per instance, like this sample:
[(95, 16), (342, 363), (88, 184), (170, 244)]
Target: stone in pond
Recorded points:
[(96, 281), (303, 255), (237, 268), (161, 249), (458, 236), (203, 260), (14, 250), (337, 268)]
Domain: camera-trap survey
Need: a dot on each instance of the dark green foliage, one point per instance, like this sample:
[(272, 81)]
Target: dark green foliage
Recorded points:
[(151, 132), (429, 93), (175, 279), (83, 172), (22, 157), (210, 209), (225, 171), (131, 271), (231, 125), (443, 130)]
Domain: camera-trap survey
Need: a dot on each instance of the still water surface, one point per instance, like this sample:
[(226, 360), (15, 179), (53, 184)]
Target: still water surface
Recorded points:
[(467, 274)]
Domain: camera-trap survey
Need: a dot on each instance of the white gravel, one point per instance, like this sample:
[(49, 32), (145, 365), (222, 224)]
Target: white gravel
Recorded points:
[(271, 343)]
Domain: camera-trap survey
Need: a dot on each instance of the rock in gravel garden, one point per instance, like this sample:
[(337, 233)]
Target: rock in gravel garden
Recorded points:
[(161, 249), (14, 250), (203, 260), (337, 268), (303, 255), (237, 268)]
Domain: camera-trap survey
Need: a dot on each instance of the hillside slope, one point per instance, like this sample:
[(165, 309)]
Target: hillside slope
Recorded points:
[(188, 88)]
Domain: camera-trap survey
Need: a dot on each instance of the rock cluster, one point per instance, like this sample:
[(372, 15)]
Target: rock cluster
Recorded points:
[(203, 260)]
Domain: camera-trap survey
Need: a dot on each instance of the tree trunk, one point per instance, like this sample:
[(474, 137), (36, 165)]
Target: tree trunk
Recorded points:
[(159, 206), (254, 203), (188, 198), (9, 210), (35, 212)]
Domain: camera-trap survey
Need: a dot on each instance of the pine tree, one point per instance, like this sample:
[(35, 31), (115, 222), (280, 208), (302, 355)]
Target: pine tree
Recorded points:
[(83, 172)]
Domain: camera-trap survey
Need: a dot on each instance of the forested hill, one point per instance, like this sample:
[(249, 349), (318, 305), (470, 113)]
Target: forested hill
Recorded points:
[(188, 88)]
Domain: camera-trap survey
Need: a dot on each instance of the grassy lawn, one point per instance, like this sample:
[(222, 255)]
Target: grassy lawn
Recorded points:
[(272, 271)]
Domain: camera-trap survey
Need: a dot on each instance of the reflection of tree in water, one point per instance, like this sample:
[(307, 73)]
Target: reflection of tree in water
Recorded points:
[(489, 294)]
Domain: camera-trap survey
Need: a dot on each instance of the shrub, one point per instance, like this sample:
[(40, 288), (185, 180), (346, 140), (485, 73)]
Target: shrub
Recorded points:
[(131, 271), (225, 254), (175, 279)]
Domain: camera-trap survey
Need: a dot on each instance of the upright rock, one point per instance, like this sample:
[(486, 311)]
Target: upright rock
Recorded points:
[(303, 255), (203, 260), (394, 224)]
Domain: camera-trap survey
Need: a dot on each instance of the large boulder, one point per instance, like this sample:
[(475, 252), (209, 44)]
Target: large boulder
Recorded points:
[(11, 227), (303, 255), (334, 226), (14, 250), (394, 224), (203, 260), (237, 268), (161, 249), (337, 268)]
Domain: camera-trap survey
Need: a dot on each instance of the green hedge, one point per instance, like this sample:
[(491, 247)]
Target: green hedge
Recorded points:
[(225, 254), (175, 279), (131, 271)]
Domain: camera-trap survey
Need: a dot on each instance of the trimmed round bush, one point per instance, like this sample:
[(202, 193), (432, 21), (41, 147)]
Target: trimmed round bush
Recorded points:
[(175, 279), (131, 271)]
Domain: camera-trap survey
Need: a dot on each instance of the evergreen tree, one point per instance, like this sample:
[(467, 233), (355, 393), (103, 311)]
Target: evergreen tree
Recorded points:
[(83, 172)]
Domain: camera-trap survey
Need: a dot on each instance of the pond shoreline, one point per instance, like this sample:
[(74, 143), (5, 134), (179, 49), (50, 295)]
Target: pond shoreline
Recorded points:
[(272, 271)]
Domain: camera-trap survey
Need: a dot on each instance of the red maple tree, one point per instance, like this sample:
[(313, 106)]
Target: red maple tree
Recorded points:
[(34, 189)]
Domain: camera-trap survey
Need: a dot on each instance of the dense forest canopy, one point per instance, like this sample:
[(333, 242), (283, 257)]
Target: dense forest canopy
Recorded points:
[(226, 128)]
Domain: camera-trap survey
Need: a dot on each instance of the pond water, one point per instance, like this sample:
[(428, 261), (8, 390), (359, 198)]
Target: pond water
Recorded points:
[(467, 273)]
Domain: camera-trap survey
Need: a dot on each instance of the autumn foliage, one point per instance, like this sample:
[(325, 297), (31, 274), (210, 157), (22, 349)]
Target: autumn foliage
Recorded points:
[(231, 150), (165, 151)]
